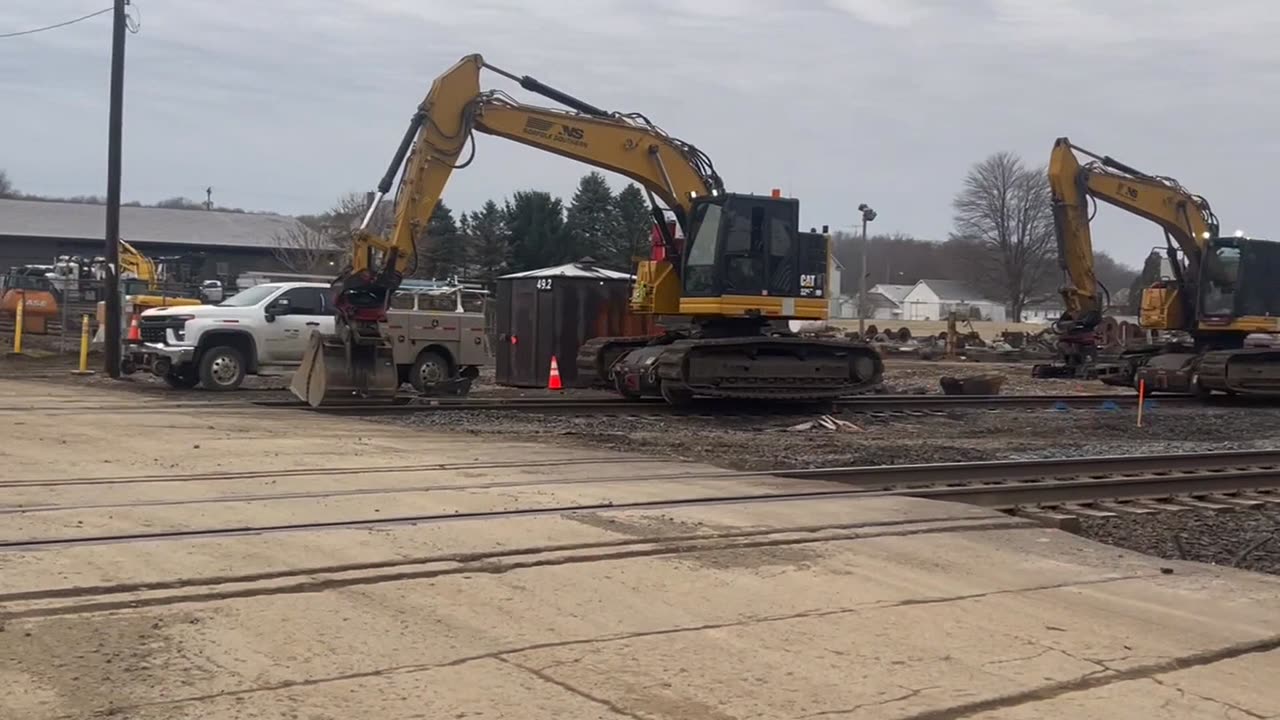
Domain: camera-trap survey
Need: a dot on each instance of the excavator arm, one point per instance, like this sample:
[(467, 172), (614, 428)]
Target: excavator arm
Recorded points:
[(439, 140), (442, 130), (1187, 220), (138, 265)]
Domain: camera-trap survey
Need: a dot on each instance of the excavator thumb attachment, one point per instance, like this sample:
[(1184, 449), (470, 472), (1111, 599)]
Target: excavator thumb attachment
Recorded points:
[(335, 372)]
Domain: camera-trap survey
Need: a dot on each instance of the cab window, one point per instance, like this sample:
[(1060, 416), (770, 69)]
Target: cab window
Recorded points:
[(402, 301), (304, 301), (1222, 273), (700, 265)]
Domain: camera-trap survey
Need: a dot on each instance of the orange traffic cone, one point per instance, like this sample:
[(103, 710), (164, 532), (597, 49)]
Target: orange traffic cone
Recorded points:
[(553, 382), (135, 335)]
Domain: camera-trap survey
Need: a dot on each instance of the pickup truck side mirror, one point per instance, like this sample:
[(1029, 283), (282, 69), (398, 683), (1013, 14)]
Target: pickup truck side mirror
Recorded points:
[(276, 309)]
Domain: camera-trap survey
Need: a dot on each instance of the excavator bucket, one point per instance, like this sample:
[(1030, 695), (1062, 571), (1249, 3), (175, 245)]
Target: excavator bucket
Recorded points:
[(334, 372)]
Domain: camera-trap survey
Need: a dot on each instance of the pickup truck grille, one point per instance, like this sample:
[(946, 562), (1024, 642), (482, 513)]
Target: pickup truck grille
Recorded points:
[(152, 330)]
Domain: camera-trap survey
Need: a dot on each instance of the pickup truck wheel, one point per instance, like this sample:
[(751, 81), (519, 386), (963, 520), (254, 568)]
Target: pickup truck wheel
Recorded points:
[(183, 379), (221, 368), (428, 371)]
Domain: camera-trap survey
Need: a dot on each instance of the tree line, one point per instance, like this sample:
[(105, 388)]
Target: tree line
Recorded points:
[(1002, 244), (178, 202), (529, 230)]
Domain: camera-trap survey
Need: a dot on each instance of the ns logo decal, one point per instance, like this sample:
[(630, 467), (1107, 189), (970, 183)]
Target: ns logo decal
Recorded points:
[(555, 132)]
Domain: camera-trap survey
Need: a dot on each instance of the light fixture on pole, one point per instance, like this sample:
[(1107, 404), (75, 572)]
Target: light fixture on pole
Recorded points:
[(867, 216)]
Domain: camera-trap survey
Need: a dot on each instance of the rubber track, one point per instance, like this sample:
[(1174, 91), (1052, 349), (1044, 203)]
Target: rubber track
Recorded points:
[(1214, 370), (673, 361), (591, 357)]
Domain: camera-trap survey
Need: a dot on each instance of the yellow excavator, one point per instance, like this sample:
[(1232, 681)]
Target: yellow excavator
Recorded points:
[(144, 284), (1223, 289), (722, 290)]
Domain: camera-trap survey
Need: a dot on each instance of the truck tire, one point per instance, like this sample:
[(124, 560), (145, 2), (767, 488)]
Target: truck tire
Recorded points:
[(182, 379), (429, 370), (222, 368)]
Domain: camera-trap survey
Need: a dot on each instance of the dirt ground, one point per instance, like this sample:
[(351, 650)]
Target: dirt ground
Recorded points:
[(902, 375)]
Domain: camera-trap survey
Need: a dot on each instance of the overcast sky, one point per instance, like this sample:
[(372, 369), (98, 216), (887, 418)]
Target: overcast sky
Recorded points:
[(284, 105)]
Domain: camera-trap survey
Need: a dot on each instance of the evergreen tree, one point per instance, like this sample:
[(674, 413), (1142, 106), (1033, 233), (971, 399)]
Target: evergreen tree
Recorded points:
[(536, 227), (592, 223), (442, 250), (466, 247), (635, 223), (490, 244)]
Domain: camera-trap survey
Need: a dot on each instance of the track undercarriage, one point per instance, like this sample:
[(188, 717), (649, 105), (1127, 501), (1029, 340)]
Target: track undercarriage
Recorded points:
[(680, 366), (1187, 371)]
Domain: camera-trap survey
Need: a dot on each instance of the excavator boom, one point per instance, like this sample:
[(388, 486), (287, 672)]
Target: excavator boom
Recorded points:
[(455, 108)]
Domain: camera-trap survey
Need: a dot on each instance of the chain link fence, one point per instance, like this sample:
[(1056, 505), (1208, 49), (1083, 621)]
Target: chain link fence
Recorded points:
[(52, 317)]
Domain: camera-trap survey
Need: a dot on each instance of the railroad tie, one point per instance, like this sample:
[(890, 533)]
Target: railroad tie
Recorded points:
[(1234, 501), (1050, 518), (1162, 506), (1202, 504), (1087, 511), (1126, 508), (1264, 497)]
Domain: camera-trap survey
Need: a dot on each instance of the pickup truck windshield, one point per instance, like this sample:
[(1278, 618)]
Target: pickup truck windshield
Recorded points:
[(252, 296)]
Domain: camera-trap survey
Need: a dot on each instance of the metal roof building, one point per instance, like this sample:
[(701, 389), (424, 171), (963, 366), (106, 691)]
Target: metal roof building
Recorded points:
[(582, 270), (62, 220), (225, 243)]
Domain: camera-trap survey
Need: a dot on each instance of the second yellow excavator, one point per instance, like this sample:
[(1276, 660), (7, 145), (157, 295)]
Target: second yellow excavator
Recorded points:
[(722, 294), (1223, 288)]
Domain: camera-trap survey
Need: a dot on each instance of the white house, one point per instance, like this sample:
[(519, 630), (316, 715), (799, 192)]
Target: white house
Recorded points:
[(935, 299), (884, 301), (834, 277), (1042, 312), (844, 307)]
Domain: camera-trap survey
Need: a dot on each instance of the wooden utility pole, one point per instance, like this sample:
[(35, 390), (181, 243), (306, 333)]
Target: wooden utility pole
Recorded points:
[(115, 122)]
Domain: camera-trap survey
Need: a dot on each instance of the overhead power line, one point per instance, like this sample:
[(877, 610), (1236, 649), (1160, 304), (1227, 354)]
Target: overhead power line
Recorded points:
[(56, 25)]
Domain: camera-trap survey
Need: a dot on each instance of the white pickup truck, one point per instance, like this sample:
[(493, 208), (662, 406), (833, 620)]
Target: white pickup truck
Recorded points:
[(263, 330)]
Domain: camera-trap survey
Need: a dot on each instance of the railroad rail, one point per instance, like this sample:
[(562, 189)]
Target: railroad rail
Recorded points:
[(865, 403), (1054, 491), (1060, 491)]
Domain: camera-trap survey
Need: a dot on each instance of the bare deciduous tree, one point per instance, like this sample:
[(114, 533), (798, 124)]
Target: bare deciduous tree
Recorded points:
[(6, 187), (1004, 207), (318, 244), (304, 249)]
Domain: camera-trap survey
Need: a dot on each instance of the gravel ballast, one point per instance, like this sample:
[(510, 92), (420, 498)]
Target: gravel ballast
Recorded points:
[(764, 443), (1245, 539)]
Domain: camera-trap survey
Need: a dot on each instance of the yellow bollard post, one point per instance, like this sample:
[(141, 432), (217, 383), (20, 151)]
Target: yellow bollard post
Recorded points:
[(84, 348), (17, 323)]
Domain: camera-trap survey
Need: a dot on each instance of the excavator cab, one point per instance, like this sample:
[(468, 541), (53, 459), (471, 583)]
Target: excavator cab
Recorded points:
[(742, 256), (745, 256), (1237, 285)]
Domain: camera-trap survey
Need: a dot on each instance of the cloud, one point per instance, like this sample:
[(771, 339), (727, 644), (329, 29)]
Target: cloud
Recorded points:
[(885, 13), (287, 104)]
